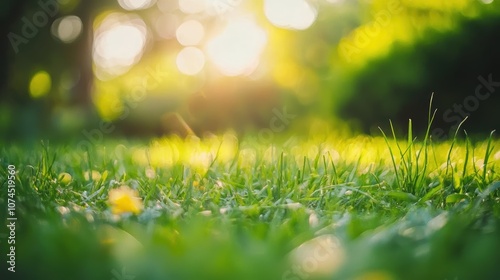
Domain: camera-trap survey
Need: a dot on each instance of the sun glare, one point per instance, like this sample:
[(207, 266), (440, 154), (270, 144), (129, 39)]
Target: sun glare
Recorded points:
[(236, 50), (119, 43), (290, 14)]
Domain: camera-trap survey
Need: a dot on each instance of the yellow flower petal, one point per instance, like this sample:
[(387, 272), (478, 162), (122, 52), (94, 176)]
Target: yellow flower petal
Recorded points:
[(125, 200), (150, 173), (65, 178), (96, 176)]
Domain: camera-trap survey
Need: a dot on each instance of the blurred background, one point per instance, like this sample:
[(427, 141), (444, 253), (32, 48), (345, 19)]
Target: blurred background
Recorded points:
[(142, 68)]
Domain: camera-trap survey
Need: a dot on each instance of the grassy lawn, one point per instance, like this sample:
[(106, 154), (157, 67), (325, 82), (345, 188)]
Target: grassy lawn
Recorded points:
[(314, 207)]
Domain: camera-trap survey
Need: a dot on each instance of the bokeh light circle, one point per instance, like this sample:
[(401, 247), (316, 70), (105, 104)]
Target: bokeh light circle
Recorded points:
[(190, 61), (190, 33), (67, 29)]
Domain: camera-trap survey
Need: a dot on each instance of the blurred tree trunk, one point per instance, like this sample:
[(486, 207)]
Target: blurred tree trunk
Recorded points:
[(11, 12), (83, 56)]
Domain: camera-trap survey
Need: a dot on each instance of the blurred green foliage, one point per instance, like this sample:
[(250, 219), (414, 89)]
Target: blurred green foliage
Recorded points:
[(360, 61), (448, 63)]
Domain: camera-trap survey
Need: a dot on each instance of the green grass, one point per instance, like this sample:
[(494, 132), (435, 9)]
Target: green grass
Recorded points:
[(227, 208)]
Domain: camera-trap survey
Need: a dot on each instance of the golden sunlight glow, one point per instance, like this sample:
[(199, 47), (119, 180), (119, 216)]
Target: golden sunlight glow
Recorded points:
[(287, 73), (237, 49), (166, 25), (135, 4), (290, 14), (108, 101), (335, 1), (67, 29), (190, 60), (192, 6), (119, 43), (167, 6), (190, 33)]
